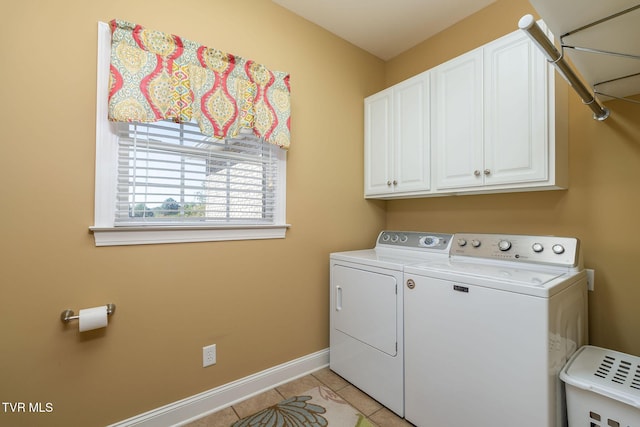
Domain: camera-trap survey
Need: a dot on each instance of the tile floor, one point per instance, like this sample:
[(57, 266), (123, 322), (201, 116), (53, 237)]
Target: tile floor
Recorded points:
[(376, 413)]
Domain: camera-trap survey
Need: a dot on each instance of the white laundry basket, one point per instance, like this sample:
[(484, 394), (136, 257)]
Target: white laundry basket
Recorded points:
[(603, 388)]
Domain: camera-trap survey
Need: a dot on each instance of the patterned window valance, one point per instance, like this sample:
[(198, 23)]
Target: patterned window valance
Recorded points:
[(158, 76)]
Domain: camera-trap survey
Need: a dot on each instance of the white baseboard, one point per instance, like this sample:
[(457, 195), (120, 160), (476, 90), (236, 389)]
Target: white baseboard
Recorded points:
[(208, 402)]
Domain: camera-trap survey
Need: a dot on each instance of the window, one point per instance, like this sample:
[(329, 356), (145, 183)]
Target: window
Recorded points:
[(166, 182)]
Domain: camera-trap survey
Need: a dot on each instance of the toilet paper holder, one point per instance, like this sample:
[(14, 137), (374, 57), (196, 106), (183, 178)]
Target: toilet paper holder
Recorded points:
[(68, 315)]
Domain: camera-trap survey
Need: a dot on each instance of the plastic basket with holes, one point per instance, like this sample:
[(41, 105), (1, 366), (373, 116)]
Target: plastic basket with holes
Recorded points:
[(603, 388)]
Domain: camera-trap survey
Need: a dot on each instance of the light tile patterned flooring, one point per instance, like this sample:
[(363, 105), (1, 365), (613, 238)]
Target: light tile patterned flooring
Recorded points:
[(376, 413)]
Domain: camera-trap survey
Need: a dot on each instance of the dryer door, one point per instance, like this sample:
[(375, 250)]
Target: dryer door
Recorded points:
[(365, 307)]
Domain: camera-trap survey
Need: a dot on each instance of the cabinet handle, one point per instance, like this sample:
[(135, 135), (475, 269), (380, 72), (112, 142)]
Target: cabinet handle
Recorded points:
[(487, 171), (338, 298), (476, 172)]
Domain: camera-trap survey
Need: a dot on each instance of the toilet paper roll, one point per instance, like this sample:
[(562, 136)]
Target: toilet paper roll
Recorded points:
[(93, 318)]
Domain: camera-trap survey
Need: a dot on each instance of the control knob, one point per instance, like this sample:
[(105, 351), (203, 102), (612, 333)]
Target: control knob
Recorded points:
[(475, 243), (462, 242), (504, 245), (429, 241), (537, 247), (557, 249)]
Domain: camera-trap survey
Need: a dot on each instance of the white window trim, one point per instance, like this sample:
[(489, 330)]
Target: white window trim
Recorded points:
[(104, 231)]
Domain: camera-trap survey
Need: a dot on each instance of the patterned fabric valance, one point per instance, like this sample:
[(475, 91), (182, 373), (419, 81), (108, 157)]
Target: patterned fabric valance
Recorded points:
[(158, 76)]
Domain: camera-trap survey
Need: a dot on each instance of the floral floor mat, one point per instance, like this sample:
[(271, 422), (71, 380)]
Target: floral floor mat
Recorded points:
[(318, 407)]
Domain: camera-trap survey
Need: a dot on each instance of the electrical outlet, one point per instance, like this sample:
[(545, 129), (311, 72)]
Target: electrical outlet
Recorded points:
[(591, 277), (208, 355)]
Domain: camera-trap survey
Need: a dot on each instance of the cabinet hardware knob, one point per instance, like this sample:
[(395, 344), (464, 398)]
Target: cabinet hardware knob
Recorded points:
[(395, 182), (487, 171), (388, 183), (476, 172)]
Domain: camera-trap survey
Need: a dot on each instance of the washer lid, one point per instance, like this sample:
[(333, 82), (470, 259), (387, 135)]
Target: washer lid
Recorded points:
[(501, 276), (511, 274)]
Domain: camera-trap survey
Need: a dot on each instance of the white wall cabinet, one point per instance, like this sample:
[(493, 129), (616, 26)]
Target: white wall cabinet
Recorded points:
[(397, 148), (457, 121), (491, 119), (497, 121), (378, 140)]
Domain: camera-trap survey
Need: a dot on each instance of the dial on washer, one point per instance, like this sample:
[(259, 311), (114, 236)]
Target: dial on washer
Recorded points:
[(504, 245)]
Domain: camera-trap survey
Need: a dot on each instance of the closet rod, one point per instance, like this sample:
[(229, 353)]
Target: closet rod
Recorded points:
[(528, 24)]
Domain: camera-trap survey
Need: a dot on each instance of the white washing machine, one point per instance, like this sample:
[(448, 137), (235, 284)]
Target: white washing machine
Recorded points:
[(366, 311), (488, 330)]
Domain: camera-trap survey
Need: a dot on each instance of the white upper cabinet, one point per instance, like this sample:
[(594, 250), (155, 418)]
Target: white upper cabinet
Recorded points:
[(515, 139), (378, 140), (397, 150), (497, 122), (457, 121), (491, 116)]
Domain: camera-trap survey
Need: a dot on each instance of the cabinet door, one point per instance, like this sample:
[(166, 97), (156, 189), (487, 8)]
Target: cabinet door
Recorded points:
[(411, 130), (457, 121), (516, 140), (378, 139)]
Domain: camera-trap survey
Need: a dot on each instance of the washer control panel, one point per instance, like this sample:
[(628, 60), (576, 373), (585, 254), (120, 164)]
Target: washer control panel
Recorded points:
[(415, 240), (561, 251)]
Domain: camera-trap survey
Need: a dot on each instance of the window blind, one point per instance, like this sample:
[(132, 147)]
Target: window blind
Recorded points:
[(170, 173)]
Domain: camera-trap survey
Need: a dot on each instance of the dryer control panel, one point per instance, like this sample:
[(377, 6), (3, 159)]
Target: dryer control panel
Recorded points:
[(415, 240), (551, 250)]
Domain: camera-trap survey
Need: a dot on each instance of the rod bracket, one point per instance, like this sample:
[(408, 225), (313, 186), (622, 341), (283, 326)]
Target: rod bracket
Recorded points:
[(528, 24)]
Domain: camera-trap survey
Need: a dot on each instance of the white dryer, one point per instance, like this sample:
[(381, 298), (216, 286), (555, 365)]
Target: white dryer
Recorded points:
[(366, 311), (488, 330)]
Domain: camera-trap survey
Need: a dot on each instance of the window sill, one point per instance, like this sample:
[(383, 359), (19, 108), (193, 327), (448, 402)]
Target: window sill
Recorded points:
[(149, 235)]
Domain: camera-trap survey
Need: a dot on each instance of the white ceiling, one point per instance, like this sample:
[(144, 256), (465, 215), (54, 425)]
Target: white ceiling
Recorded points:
[(384, 28)]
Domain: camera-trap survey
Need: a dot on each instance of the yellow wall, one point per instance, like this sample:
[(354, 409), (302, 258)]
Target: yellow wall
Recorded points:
[(600, 207), (174, 299), (262, 302)]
